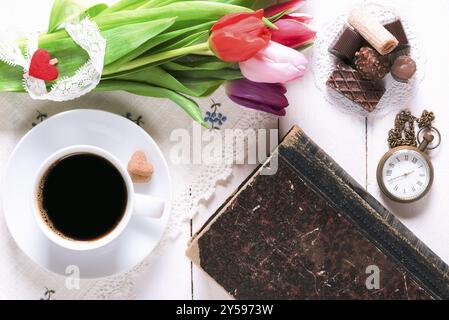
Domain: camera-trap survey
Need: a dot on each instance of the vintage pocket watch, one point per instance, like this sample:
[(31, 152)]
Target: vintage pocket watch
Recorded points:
[(405, 173)]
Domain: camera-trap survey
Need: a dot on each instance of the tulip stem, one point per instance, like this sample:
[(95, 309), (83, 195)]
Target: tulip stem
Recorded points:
[(205, 53), (140, 62), (270, 24)]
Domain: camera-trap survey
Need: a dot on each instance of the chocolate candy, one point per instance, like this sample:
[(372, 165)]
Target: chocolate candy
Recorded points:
[(349, 82), (398, 53), (371, 65), (347, 45), (397, 30), (369, 28), (403, 69)]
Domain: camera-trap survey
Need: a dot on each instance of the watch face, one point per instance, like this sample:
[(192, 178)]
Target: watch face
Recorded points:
[(406, 175)]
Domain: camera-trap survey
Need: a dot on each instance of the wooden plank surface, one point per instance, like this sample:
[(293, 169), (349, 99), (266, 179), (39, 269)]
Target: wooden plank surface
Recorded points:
[(429, 218), (325, 124), (342, 135)]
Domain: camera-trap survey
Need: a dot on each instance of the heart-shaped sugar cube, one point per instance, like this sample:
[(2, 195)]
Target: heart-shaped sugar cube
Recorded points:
[(139, 168)]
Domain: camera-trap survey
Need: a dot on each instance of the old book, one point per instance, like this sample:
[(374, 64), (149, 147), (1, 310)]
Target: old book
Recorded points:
[(311, 232)]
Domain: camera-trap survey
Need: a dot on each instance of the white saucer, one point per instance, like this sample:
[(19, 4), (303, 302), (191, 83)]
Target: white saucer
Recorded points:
[(115, 134)]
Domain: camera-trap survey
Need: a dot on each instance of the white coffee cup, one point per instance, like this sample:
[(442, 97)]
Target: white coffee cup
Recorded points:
[(137, 204)]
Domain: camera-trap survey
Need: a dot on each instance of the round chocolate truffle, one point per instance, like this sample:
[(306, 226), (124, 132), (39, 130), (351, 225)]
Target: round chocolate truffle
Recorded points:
[(403, 69), (370, 64)]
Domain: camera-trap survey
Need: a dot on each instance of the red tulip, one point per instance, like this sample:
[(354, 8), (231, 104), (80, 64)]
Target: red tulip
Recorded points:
[(238, 37), (292, 32), (289, 6)]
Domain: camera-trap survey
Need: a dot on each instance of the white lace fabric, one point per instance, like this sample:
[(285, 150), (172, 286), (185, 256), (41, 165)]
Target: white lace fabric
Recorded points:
[(87, 35), (397, 94)]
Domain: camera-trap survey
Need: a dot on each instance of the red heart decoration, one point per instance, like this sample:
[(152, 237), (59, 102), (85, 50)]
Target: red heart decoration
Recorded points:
[(41, 68)]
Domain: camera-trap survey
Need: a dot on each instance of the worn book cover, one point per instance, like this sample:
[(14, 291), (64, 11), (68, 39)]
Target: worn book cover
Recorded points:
[(311, 232)]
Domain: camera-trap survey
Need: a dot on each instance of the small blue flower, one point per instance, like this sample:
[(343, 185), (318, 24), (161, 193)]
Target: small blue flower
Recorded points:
[(221, 119), (215, 118), (208, 117)]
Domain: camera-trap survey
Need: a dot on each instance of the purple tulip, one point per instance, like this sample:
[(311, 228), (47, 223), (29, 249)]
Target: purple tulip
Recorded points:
[(267, 97)]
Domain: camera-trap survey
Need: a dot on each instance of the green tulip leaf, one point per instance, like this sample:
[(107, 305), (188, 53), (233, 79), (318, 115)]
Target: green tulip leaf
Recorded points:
[(143, 89), (67, 10)]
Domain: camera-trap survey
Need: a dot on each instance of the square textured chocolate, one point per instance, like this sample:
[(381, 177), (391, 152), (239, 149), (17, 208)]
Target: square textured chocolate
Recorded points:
[(311, 232), (397, 30), (348, 82), (345, 47)]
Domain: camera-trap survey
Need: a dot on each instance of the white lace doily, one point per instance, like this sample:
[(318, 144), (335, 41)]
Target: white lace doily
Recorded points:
[(87, 35), (22, 278), (397, 94)]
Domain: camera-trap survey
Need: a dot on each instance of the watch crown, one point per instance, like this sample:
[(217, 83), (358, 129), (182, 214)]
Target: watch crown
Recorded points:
[(427, 139)]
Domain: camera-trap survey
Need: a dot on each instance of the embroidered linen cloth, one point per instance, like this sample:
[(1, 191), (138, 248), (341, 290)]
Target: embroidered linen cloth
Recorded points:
[(20, 277)]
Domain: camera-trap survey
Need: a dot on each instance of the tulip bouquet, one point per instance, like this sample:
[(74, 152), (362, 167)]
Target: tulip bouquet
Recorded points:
[(183, 49)]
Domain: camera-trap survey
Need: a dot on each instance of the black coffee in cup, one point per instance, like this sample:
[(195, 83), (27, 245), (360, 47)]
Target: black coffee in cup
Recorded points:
[(82, 197)]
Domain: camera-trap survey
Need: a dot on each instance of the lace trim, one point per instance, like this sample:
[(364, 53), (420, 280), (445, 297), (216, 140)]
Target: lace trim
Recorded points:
[(10, 53), (87, 35)]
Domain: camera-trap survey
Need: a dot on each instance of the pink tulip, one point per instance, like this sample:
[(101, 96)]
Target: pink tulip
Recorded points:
[(275, 64), (289, 6), (292, 33)]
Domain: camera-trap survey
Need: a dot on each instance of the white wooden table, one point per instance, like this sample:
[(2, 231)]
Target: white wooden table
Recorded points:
[(355, 143)]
